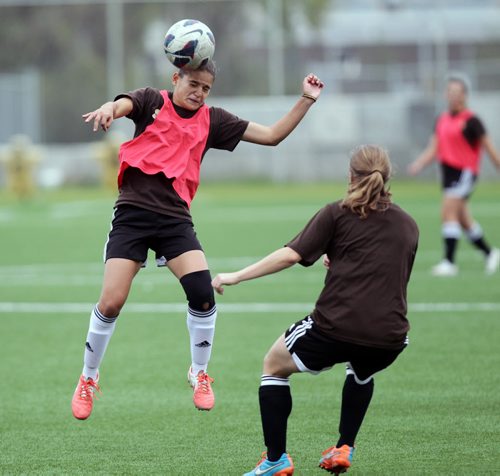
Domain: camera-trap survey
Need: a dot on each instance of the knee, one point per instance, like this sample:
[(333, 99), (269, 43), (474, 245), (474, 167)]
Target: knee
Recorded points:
[(268, 360), (110, 306), (269, 366), (276, 365), (199, 291)]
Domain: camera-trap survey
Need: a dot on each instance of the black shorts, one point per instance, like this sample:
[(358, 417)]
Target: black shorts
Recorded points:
[(136, 230), (457, 183), (313, 352)]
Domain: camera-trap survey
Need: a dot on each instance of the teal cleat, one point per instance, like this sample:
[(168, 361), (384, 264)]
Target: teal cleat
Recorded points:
[(282, 467)]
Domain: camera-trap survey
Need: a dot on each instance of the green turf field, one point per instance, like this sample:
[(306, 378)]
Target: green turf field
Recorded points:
[(435, 412)]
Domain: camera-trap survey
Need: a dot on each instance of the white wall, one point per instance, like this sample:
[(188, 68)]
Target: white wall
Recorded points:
[(316, 150)]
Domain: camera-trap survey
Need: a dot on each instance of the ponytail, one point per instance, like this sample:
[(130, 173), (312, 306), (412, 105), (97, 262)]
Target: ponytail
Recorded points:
[(370, 169)]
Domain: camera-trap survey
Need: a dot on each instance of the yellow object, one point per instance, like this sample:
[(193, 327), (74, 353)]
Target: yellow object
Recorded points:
[(107, 155), (20, 161)]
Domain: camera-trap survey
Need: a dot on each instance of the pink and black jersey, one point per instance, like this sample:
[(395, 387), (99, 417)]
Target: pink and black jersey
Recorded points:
[(159, 168), (458, 137), (171, 145)]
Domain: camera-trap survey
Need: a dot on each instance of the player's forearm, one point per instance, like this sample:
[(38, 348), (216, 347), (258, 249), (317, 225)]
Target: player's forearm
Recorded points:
[(284, 127), (121, 107), (492, 152), (426, 157), (277, 261), (311, 90), (273, 135)]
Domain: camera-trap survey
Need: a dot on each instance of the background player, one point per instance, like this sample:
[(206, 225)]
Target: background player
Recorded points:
[(459, 135)]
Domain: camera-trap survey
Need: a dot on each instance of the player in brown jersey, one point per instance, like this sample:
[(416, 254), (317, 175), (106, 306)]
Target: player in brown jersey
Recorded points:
[(158, 178), (457, 142), (369, 244)]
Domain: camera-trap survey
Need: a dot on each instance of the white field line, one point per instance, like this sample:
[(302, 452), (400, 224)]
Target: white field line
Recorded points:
[(90, 274), (250, 307)]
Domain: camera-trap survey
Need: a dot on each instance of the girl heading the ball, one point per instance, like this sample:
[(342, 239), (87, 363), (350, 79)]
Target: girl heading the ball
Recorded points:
[(158, 178)]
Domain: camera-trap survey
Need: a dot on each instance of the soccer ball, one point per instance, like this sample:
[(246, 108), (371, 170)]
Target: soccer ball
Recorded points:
[(189, 44)]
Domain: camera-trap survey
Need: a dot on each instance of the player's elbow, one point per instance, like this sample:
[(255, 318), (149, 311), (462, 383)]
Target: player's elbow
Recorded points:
[(274, 141), (273, 137), (270, 140), (291, 257)]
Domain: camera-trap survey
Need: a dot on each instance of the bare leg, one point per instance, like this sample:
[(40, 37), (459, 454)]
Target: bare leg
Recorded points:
[(465, 217), (278, 361), (188, 262), (118, 276)]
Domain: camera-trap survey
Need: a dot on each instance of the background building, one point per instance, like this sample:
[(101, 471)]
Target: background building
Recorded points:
[(384, 64)]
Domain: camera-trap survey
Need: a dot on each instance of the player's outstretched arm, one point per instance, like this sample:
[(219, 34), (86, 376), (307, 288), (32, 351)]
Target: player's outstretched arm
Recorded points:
[(491, 150), (108, 112), (276, 261), (425, 158), (273, 135)]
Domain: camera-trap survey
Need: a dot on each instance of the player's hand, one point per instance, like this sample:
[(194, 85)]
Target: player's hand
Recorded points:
[(312, 85), (414, 168), (224, 279), (326, 262), (102, 117)]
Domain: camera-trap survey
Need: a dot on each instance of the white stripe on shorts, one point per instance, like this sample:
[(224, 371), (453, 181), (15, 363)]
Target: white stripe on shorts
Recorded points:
[(107, 238), (298, 332), (464, 186), (350, 371)]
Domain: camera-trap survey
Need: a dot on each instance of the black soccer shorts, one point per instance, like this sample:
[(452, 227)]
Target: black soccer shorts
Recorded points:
[(136, 230), (314, 352), (457, 183)]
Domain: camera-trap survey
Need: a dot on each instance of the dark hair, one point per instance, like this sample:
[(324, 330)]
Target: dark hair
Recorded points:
[(209, 66), (370, 169), (461, 79)]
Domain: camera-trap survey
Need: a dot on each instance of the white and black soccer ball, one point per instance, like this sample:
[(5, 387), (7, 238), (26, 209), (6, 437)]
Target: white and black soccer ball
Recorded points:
[(189, 44)]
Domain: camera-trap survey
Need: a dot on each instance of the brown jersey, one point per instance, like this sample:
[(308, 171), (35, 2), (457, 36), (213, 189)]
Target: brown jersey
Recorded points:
[(155, 192), (363, 300)]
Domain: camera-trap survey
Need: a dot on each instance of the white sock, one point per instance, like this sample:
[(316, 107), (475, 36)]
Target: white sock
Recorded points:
[(100, 331), (266, 380), (451, 229), (201, 326), (475, 232)]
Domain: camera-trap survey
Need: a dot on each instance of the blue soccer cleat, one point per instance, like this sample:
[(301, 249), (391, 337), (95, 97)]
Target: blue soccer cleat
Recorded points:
[(282, 467)]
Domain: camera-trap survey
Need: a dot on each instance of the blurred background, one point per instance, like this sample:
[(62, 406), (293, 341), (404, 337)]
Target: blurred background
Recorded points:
[(384, 63)]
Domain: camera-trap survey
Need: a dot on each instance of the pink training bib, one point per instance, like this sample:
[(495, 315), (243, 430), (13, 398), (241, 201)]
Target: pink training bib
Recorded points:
[(172, 145), (453, 148)]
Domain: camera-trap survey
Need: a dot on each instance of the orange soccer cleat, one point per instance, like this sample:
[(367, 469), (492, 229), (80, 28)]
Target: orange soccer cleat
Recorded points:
[(203, 396), (83, 398), (336, 460)]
